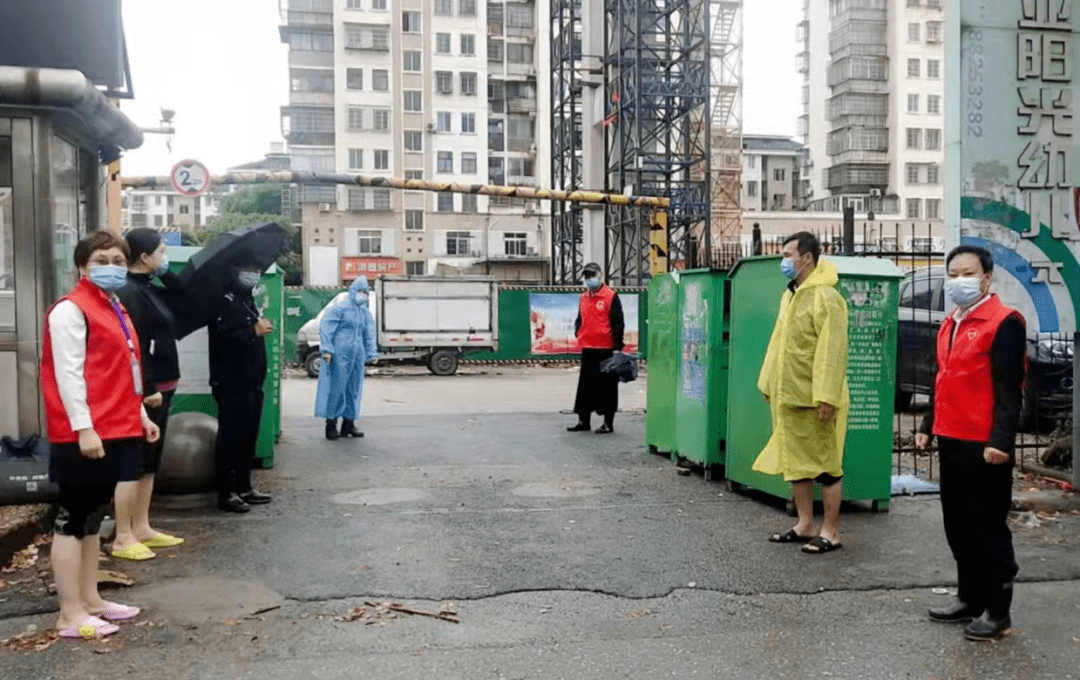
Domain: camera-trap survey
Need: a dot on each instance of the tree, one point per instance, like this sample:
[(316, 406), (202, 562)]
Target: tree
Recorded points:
[(289, 260), (250, 200)]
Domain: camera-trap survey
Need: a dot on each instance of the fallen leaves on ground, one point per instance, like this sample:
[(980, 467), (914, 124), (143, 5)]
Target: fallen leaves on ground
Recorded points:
[(230, 622), (32, 640), (24, 559), (382, 612), (639, 613), (114, 578)]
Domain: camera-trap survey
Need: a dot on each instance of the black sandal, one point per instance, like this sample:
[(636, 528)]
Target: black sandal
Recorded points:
[(789, 536), (819, 545)]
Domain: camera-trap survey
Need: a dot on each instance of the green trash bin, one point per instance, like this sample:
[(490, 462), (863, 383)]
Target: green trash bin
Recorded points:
[(870, 287), (193, 391), (663, 363)]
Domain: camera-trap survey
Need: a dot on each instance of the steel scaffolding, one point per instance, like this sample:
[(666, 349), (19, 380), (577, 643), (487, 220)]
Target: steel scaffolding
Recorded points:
[(567, 224), (725, 60), (658, 86)]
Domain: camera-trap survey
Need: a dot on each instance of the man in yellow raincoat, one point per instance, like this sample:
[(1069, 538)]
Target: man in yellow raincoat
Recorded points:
[(804, 379)]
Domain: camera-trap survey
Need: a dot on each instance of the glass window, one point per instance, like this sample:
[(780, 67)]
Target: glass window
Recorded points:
[(913, 68), (380, 199), (468, 163), (467, 8), (519, 53), (446, 202), (457, 242), (354, 78), (7, 240), (442, 123), (515, 243), (495, 50), (414, 100), (914, 135), (357, 198), (933, 104), (356, 118), (445, 161), (933, 31), (444, 7), (368, 242), (414, 268), (442, 43), (468, 44), (354, 4), (933, 139), (933, 68), (913, 205), (933, 175), (414, 220), (356, 159), (913, 103), (414, 174), (933, 208), (382, 119), (410, 22), (468, 84), (380, 80), (412, 60), (468, 123), (414, 140), (444, 82), (913, 32), (912, 173), (67, 232), (378, 4), (469, 203), (382, 159), (917, 293)]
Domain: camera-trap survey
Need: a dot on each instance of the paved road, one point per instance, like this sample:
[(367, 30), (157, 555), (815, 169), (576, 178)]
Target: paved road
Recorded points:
[(565, 556)]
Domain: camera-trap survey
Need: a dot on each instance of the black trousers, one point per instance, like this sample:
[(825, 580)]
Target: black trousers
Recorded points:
[(239, 413), (975, 501), (597, 392)]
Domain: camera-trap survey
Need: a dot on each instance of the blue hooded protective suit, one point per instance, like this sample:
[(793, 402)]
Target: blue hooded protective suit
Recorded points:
[(347, 332)]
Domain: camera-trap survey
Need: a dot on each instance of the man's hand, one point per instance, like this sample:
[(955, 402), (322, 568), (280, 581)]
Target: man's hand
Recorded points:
[(90, 445), (151, 431), (825, 412), (995, 456), (327, 357), (766, 398), (263, 327), (155, 400), (922, 441)]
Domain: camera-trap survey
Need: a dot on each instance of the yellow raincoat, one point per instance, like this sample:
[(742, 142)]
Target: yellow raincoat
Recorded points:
[(805, 365)]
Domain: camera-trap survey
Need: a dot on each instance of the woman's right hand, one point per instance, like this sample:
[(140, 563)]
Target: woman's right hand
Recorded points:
[(327, 357), (922, 441), (155, 400), (90, 444)]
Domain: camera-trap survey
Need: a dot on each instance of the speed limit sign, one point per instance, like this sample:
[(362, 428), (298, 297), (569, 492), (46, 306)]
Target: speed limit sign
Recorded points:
[(190, 178)]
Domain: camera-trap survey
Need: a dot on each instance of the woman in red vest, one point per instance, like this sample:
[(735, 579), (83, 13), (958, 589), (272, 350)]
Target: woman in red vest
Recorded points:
[(599, 330), (981, 355), (92, 387)]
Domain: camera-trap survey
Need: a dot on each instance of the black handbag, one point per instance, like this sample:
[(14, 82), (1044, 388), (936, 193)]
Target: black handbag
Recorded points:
[(24, 471), (622, 366)]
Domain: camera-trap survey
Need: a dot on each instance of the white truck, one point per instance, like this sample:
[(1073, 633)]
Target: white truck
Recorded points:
[(425, 320)]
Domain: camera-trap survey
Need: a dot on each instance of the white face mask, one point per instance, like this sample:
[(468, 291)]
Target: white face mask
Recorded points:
[(248, 279), (963, 291)]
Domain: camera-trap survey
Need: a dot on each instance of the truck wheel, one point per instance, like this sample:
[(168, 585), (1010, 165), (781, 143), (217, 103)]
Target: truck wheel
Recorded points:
[(312, 362), (443, 362)]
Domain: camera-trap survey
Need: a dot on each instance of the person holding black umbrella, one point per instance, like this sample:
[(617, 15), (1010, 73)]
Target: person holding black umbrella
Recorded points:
[(237, 372), (156, 328)]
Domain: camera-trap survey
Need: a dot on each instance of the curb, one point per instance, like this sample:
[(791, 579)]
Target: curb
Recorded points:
[(23, 528), (1046, 501)]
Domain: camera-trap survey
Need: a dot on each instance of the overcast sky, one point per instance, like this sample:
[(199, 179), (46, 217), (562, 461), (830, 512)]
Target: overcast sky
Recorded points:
[(221, 66)]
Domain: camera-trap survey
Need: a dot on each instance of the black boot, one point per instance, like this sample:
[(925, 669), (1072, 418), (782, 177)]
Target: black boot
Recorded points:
[(331, 428), (957, 612), (348, 429), (582, 426), (232, 503), (995, 623)]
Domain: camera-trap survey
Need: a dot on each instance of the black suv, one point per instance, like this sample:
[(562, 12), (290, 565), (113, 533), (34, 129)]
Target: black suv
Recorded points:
[(1048, 392)]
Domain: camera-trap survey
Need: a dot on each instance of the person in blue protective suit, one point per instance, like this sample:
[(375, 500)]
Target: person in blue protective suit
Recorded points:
[(347, 339)]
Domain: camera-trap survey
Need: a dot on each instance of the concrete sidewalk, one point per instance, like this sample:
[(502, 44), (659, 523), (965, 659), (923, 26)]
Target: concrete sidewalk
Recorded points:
[(565, 556)]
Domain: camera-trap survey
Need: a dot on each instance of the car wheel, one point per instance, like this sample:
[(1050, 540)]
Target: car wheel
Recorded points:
[(443, 362), (312, 363), (902, 401)]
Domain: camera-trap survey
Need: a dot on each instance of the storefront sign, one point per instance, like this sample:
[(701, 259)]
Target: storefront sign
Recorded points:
[(1012, 158), (370, 267)]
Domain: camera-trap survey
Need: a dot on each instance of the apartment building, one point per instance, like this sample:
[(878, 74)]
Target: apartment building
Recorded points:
[(439, 90), (161, 208), (770, 172), (873, 119)]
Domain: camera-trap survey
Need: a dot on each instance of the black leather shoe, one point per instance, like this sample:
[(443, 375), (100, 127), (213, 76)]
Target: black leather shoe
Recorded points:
[(580, 427), (255, 497), (233, 503), (987, 628), (348, 429), (957, 612), (605, 429), (331, 429)]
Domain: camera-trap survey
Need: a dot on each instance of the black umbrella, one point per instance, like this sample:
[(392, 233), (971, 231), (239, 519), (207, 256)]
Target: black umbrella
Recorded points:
[(208, 275)]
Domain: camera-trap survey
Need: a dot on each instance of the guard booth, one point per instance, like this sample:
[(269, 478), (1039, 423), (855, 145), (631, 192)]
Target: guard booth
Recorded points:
[(57, 132)]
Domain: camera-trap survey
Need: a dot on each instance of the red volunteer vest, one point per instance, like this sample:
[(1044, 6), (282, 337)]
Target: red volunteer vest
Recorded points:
[(110, 387), (595, 309), (964, 391)]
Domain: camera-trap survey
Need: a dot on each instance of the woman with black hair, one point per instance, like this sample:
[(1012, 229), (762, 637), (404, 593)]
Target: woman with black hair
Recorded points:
[(156, 328)]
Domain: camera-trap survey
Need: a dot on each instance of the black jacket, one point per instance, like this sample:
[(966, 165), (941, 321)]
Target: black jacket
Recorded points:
[(237, 354), (155, 325), (1008, 353)]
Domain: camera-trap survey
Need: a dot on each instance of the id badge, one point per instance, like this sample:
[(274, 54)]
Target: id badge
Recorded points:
[(136, 375)]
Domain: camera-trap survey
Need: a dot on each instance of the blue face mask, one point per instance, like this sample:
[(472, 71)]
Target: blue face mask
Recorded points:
[(163, 267), (788, 268), (592, 283), (108, 277)]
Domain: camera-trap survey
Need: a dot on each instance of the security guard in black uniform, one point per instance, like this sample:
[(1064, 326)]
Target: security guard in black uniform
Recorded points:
[(237, 373)]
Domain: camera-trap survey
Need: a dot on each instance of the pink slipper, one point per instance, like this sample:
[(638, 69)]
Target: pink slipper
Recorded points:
[(118, 612), (90, 628)]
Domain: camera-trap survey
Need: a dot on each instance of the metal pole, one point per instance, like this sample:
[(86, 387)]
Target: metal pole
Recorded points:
[(849, 230), (1076, 413)]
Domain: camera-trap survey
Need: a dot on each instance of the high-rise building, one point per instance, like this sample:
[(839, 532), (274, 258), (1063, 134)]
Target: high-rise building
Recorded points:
[(873, 119), (440, 90)]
